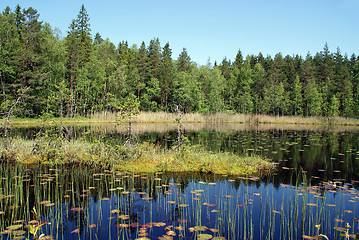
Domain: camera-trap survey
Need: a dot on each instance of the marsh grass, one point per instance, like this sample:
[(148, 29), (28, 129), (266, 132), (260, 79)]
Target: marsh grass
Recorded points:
[(102, 204), (143, 157), (218, 118)]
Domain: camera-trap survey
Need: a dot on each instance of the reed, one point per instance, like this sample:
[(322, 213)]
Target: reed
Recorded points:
[(143, 157), (218, 118)]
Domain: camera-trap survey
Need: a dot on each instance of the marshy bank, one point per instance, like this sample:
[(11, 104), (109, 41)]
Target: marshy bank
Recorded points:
[(219, 118), (143, 157)]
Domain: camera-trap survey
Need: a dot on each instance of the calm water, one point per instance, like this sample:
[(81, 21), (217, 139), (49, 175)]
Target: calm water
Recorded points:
[(316, 184)]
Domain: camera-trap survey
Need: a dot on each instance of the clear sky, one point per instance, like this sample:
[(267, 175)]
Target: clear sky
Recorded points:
[(215, 29)]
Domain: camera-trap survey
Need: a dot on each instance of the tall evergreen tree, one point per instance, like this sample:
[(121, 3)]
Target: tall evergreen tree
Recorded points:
[(143, 68), (9, 56), (296, 97), (84, 35), (79, 48), (184, 61), (166, 75), (154, 53), (31, 57)]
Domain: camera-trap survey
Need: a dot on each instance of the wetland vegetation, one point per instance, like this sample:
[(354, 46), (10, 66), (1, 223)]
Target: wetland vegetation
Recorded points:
[(312, 192), (255, 148)]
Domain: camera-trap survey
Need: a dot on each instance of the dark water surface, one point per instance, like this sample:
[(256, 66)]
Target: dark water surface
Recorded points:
[(316, 184)]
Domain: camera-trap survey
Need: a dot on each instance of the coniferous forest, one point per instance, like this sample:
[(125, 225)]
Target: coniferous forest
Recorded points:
[(79, 74)]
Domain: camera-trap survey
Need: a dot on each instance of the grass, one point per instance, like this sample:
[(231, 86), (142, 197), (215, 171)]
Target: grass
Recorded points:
[(163, 117), (88, 203), (142, 157)]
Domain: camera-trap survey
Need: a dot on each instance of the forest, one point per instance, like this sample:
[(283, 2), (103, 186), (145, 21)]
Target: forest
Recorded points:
[(81, 74)]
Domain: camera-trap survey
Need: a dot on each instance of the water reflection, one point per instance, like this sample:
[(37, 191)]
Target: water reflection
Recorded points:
[(82, 203), (332, 149)]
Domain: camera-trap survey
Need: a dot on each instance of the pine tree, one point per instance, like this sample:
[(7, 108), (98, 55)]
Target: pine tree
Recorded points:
[(184, 61), (297, 97), (84, 35), (72, 44), (9, 57), (154, 54), (258, 77), (166, 75), (238, 62), (79, 48), (31, 58)]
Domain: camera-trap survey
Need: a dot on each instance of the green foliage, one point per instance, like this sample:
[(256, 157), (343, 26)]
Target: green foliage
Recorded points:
[(313, 100), (76, 75)]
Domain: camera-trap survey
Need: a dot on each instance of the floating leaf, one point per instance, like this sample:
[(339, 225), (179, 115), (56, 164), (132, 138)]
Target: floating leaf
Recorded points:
[(76, 231), (122, 225), (171, 233), (77, 209), (181, 220), (33, 222), (340, 229), (147, 198), (312, 204), (308, 237), (92, 226), (200, 228), (135, 225), (204, 236), (18, 232), (124, 217), (14, 227), (211, 205), (115, 211), (159, 224), (183, 205)]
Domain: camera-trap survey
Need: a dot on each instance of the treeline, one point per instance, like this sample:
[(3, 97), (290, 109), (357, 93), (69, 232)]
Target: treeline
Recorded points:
[(79, 74)]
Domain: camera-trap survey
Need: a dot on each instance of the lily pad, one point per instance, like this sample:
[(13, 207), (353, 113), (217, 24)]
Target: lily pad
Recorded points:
[(204, 236), (200, 228), (14, 227), (18, 232), (340, 229)]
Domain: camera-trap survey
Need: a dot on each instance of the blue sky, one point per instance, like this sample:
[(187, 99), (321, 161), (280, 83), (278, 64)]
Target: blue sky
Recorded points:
[(215, 29)]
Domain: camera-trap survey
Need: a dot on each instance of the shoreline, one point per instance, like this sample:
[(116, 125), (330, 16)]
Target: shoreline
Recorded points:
[(219, 118)]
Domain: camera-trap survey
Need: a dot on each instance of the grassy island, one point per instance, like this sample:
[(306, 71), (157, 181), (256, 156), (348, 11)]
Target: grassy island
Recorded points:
[(142, 157)]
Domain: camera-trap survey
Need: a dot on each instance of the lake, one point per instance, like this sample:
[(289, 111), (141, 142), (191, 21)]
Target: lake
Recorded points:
[(313, 191)]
